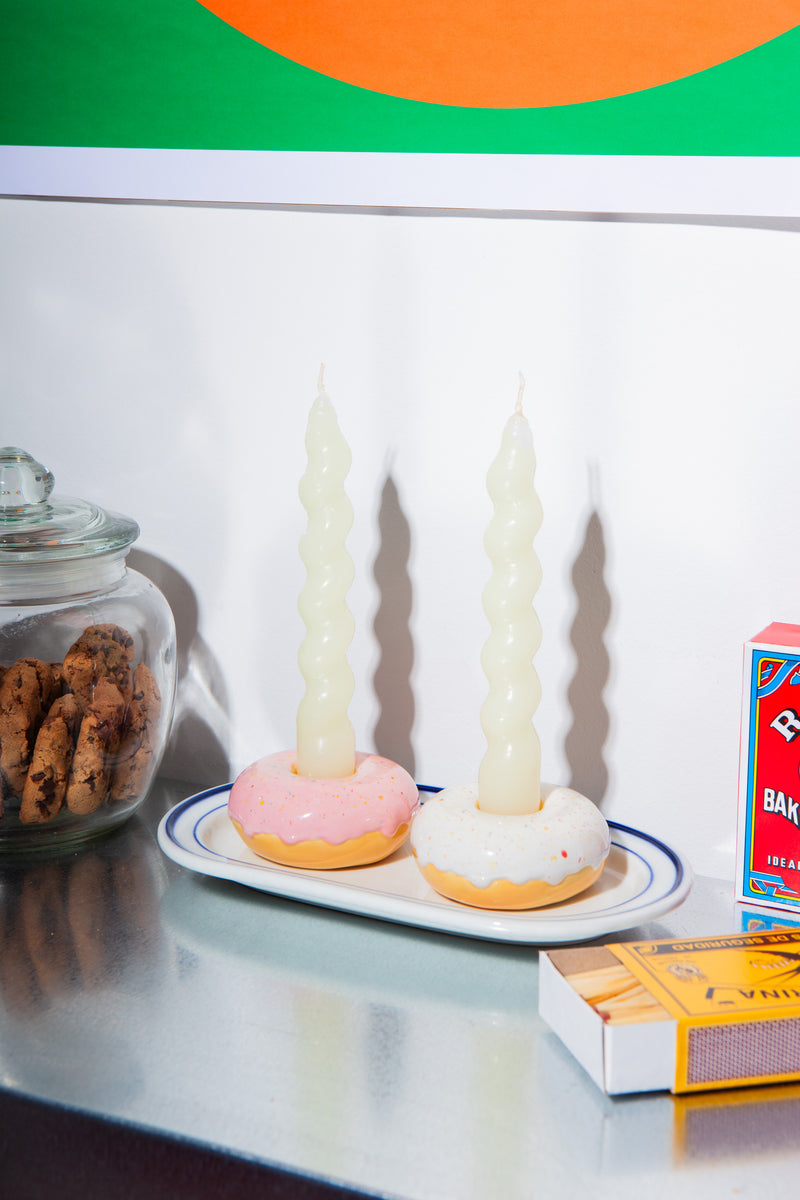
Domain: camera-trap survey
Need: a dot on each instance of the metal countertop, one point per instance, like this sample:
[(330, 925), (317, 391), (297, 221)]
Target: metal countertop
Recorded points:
[(343, 1050)]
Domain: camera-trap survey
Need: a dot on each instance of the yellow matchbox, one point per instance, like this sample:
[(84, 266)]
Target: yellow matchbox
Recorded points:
[(683, 1016)]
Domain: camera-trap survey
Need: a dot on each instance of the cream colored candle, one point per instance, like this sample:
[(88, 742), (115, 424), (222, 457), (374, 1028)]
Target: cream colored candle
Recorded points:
[(325, 736), (510, 774)]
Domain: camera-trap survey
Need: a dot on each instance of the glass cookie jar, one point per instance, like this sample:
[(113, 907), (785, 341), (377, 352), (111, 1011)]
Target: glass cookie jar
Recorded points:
[(87, 665)]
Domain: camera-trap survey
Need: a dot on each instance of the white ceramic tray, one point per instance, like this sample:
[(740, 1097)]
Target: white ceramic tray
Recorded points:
[(643, 879)]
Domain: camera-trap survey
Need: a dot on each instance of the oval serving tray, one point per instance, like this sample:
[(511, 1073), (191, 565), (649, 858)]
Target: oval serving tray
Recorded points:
[(643, 879)]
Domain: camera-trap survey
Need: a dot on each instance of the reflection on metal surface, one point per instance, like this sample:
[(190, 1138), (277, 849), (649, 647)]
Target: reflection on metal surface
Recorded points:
[(81, 953), (384, 1046), (341, 952), (757, 920), (623, 1136), (741, 1123), (75, 923)]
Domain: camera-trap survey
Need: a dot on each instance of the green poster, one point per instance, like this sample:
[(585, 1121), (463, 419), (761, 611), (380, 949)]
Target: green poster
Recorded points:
[(175, 75), (170, 73)]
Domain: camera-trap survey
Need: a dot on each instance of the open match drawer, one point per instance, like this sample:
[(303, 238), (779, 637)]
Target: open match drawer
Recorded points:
[(682, 1016)]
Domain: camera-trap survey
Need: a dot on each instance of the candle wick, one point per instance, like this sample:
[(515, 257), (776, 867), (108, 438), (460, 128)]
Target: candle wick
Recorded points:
[(518, 408), (321, 378)]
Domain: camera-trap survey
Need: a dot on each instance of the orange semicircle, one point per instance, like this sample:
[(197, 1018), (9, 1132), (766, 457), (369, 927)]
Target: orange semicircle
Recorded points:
[(514, 54)]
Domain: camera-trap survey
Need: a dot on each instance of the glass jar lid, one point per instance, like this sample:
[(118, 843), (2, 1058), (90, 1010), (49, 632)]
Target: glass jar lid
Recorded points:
[(36, 527)]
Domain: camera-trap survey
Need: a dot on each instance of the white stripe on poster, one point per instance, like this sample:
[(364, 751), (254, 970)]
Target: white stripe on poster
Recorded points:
[(560, 183)]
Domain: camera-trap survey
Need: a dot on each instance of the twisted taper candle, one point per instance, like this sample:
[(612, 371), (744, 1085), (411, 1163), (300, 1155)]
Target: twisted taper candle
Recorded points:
[(325, 736), (509, 778)]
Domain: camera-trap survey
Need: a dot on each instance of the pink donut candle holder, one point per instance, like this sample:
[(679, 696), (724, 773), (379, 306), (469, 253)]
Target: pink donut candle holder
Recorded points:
[(303, 821)]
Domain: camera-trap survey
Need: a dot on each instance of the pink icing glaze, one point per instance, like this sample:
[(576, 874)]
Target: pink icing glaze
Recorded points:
[(269, 797)]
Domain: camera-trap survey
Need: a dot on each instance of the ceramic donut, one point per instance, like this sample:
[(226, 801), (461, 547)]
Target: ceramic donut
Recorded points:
[(514, 861), (302, 821)]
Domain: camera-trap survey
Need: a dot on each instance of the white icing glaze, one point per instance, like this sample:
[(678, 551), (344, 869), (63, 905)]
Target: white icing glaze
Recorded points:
[(567, 834)]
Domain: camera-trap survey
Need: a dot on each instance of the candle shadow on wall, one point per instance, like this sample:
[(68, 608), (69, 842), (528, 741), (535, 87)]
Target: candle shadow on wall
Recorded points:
[(200, 727), (392, 678), (586, 738)]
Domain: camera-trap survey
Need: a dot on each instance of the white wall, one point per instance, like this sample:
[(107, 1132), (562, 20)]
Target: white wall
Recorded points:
[(161, 361)]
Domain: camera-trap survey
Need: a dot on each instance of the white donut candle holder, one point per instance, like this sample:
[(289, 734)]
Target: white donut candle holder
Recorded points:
[(507, 842), (510, 861)]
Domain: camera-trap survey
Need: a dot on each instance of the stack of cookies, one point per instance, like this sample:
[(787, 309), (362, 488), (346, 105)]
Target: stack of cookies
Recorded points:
[(80, 733)]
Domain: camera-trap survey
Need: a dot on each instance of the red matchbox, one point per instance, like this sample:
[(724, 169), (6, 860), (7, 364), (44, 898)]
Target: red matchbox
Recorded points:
[(768, 834)]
